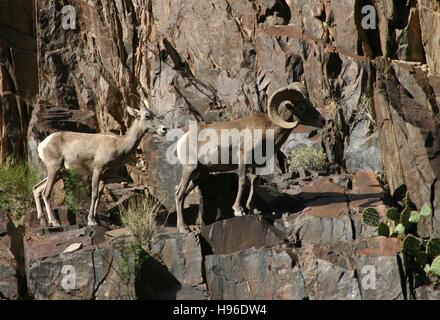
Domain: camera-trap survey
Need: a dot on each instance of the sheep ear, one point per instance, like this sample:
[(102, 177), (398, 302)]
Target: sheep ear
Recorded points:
[(133, 112)]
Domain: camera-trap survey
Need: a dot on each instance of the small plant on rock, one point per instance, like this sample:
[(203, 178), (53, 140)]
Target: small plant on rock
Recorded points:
[(139, 217), (16, 182), (77, 190), (307, 158)]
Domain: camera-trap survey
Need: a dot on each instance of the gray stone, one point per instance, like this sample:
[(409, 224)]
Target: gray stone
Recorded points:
[(267, 273), (9, 283), (240, 233), (329, 271), (181, 254), (427, 292), (429, 23), (307, 229), (103, 267), (363, 150), (379, 264)]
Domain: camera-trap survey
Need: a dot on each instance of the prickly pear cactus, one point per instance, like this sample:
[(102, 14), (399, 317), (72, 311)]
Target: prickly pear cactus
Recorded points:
[(411, 245), (416, 216), (406, 201), (400, 229), (435, 267), (371, 217), (404, 217), (393, 214), (433, 248), (383, 230)]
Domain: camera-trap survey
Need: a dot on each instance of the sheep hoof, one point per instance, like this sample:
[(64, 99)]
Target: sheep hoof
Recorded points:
[(183, 228), (91, 223), (239, 212), (55, 224)]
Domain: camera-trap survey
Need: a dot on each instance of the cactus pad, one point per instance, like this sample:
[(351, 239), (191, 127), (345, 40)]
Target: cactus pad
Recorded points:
[(371, 217), (411, 246), (433, 247), (393, 214), (426, 210), (404, 218), (435, 267), (400, 229), (383, 230), (414, 217)]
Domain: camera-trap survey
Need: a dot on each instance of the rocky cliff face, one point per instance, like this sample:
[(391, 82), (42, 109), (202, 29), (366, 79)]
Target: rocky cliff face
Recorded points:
[(209, 60)]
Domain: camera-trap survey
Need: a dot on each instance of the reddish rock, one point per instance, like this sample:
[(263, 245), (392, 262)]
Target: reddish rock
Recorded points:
[(379, 246), (366, 190)]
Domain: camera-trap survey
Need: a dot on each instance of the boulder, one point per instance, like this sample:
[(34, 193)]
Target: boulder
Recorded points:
[(4, 221), (18, 75), (78, 264), (329, 271), (265, 273), (325, 217), (409, 39), (306, 229), (429, 22), (363, 151), (240, 233), (9, 276), (181, 254), (405, 111), (380, 270), (427, 292), (366, 190)]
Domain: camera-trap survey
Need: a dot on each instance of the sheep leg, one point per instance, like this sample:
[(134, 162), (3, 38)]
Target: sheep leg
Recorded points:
[(37, 191), (181, 193), (252, 180), (237, 207), (100, 189), (47, 193), (95, 190)]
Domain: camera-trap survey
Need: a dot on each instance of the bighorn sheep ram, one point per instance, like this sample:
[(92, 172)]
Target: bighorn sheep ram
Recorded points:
[(98, 155), (298, 110)]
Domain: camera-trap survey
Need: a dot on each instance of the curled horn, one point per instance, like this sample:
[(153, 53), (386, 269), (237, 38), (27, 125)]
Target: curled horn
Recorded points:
[(145, 104), (292, 93)]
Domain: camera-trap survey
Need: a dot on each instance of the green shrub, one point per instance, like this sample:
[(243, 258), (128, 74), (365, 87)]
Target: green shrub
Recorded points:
[(16, 182), (139, 217), (307, 158), (77, 190)]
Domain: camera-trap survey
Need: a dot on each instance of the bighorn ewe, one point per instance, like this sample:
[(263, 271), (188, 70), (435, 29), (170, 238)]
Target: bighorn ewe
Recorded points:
[(98, 154), (297, 110)]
